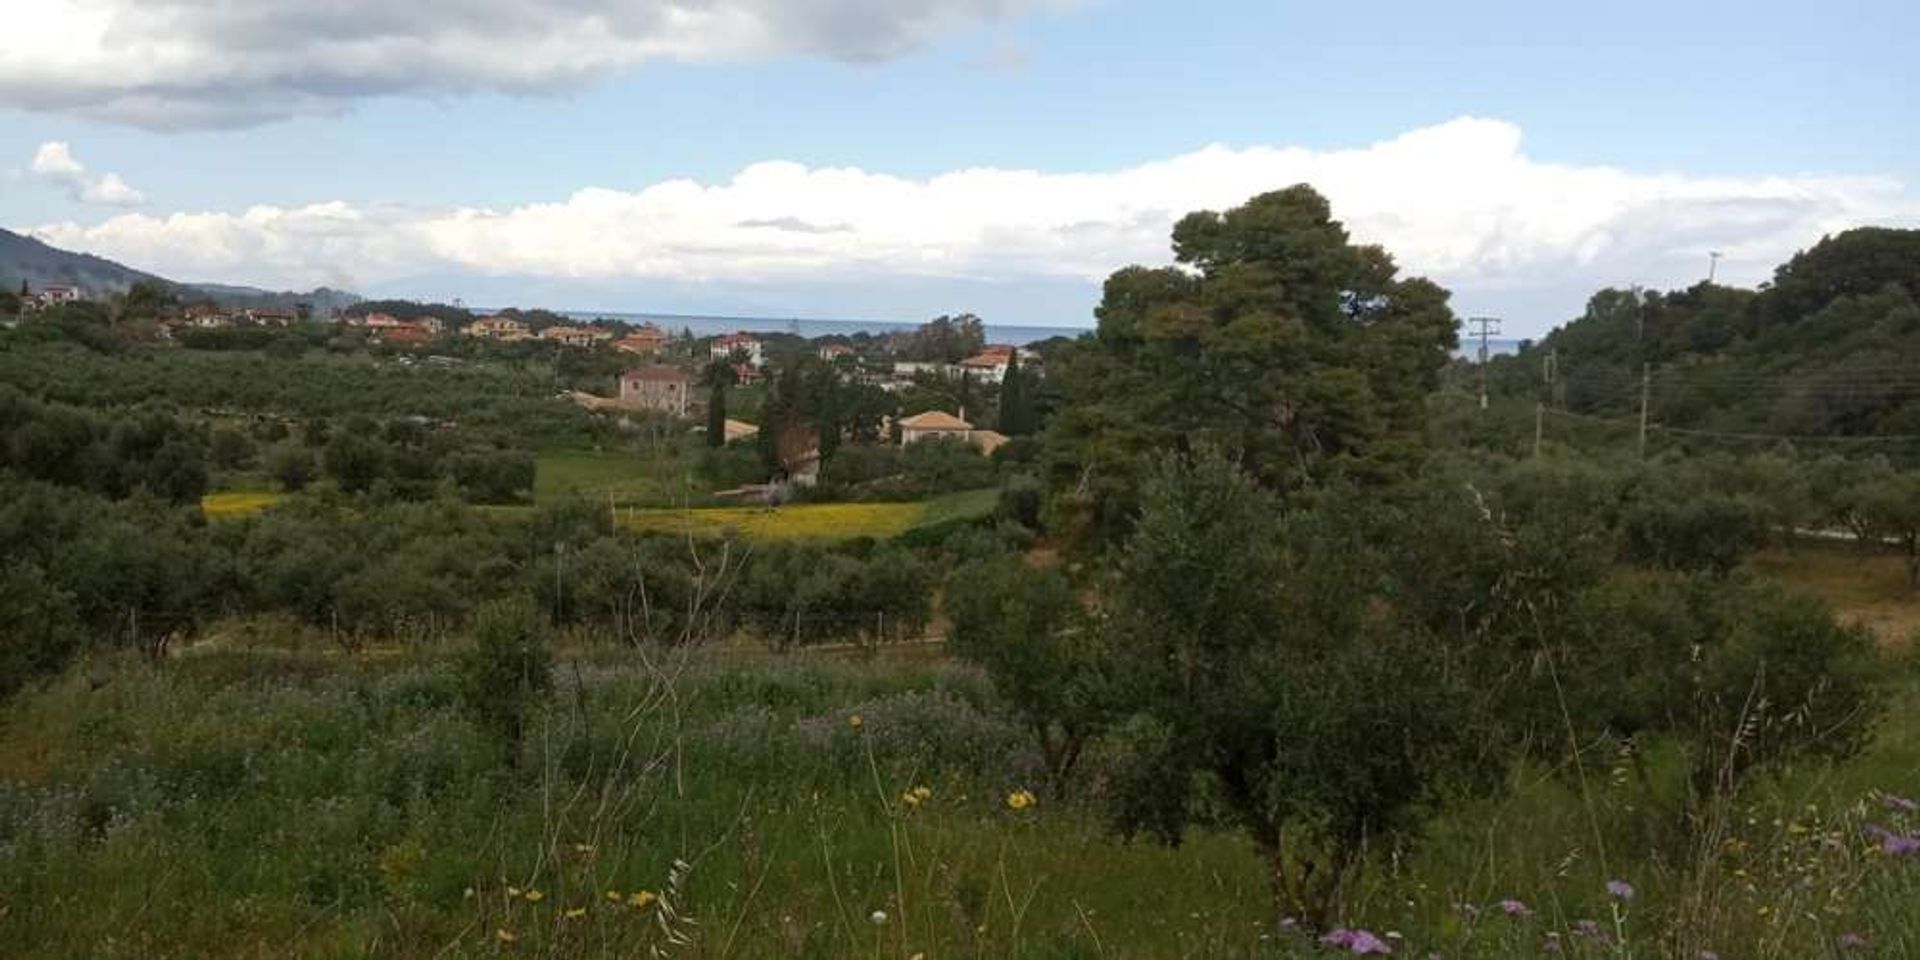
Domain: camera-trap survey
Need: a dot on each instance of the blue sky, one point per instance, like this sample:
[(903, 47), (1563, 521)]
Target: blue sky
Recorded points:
[(1608, 144)]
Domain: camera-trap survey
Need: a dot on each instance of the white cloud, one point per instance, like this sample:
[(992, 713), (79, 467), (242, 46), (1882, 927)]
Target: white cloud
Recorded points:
[(1459, 201), (54, 162), (190, 63)]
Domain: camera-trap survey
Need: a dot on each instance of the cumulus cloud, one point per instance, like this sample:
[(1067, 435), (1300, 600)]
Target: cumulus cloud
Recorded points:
[(1459, 201), (189, 63), (54, 162)]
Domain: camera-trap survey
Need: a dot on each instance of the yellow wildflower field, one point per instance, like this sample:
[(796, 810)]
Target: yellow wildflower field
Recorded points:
[(237, 503), (811, 521), (806, 521)]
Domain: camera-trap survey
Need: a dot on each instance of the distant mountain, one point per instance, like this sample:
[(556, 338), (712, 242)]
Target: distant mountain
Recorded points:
[(24, 258), (324, 301)]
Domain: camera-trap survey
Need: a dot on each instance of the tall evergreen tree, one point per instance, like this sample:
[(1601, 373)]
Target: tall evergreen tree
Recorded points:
[(718, 376), (1016, 408)]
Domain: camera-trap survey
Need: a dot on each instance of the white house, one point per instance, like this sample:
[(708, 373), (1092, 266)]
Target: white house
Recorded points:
[(745, 343)]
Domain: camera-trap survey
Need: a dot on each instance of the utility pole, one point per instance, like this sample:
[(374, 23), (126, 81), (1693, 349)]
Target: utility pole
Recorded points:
[(1488, 326), (1646, 393), (1539, 425), (1713, 264), (1639, 315)]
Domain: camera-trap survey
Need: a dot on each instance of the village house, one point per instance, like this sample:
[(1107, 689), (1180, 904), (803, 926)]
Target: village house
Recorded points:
[(404, 335), (51, 295), (659, 388), (380, 321), (990, 364), (940, 425), (497, 328), (268, 316), (57, 293), (206, 316), (568, 336), (743, 343), (644, 342), (834, 351)]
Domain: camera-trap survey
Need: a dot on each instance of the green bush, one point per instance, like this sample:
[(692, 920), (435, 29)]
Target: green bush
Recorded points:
[(507, 674)]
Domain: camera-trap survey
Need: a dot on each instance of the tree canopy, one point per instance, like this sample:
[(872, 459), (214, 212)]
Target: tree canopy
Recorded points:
[(1276, 340)]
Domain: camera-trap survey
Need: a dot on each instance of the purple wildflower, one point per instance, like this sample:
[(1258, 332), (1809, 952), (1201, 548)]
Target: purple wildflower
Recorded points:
[(1620, 889), (1894, 844), (1514, 908), (1551, 944), (1901, 804), (1851, 941), (1356, 941), (1592, 931)]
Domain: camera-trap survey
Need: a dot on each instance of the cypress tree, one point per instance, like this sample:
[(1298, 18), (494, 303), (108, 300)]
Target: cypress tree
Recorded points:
[(1015, 412)]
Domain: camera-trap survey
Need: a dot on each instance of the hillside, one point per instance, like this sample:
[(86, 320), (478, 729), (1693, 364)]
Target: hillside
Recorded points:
[(1829, 348), (24, 258), (40, 264)]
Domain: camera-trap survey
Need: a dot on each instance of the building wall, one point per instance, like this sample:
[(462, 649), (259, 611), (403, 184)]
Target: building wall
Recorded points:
[(666, 396)]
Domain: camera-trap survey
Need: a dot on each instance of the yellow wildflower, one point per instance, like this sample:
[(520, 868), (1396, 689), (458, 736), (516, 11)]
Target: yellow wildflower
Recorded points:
[(575, 913), (506, 936), (614, 895), (854, 721), (535, 896), (1019, 799), (512, 892), (642, 898)]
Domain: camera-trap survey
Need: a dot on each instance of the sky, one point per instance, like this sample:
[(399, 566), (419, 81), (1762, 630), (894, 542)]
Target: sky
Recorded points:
[(899, 159)]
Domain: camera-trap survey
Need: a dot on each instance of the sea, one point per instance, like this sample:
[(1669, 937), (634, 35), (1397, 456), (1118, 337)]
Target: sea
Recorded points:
[(810, 327), (709, 326)]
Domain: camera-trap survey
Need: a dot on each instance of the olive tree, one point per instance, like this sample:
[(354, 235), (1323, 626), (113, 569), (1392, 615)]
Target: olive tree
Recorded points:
[(1261, 674), (1024, 627)]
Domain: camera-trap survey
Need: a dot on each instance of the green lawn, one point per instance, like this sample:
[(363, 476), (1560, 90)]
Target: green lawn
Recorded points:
[(626, 478)]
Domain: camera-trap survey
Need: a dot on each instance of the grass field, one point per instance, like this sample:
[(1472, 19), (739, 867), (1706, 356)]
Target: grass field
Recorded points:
[(625, 478), (815, 521), (1866, 586), (258, 803)]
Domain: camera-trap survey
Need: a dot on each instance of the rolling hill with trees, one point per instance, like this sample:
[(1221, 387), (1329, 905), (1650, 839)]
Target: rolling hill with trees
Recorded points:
[(1829, 348)]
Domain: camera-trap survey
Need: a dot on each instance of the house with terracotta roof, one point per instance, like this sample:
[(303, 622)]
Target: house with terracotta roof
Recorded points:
[(745, 343), (404, 335), (644, 342), (940, 425), (990, 364), (569, 336), (498, 328), (660, 388), (834, 351)]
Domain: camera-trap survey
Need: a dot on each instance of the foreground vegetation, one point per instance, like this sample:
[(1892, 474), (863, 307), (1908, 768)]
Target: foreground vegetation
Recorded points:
[(255, 800)]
